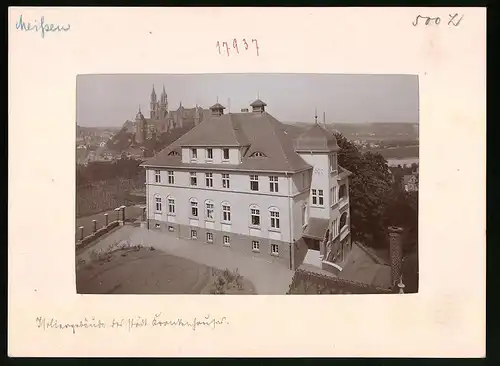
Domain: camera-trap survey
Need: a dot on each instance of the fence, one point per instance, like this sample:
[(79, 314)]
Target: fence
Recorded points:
[(305, 282), (109, 224)]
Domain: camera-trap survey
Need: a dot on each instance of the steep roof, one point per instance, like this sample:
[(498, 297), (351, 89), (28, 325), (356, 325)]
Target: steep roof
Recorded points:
[(316, 139), (316, 228), (258, 132), (409, 178)]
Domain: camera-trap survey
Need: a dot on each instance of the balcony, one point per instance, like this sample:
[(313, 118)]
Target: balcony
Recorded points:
[(343, 202)]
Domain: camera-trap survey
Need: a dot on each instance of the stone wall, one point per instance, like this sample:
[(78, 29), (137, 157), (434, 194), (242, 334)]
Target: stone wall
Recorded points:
[(305, 282)]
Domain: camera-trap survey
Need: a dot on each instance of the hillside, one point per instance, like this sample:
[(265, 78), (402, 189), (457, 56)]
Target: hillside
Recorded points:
[(372, 131), (95, 130), (124, 139)]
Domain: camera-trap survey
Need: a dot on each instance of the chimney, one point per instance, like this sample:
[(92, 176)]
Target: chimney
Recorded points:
[(258, 106), (217, 109), (396, 252)]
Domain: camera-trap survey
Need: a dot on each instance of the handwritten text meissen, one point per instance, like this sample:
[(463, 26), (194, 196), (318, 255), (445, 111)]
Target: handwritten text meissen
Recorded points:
[(40, 26), (132, 323)]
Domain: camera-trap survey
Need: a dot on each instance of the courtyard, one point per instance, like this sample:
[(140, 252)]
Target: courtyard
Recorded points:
[(158, 263)]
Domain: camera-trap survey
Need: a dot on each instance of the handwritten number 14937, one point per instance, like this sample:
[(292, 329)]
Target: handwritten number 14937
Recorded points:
[(235, 47)]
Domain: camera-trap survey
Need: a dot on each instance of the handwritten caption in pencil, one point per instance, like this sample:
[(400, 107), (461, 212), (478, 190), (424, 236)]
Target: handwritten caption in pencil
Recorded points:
[(40, 26), (454, 20), (158, 320), (236, 46)]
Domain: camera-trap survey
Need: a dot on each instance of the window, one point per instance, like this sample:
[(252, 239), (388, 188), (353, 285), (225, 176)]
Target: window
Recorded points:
[(225, 180), (210, 238), (274, 249), (194, 154), (304, 215), (254, 182), (342, 191), (333, 196), (332, 162), (317, 197), (255, 245), (210, 154), (226, 240), (258, 154), (194, 234), (225, 154), (335, 228), (158, 204), (255, 216), (226, 212), (171, 206), (157, 226), (171, 177), (193, 179), (275, 218), (170, 228), (209, 210), (174, 153), (273, 184), (194, 208), (209, 180), (157, 176)]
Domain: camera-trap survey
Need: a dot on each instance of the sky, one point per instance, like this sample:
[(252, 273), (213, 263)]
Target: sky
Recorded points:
[(110, 100)]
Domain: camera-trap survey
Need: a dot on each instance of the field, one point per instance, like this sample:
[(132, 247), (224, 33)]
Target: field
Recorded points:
[(106, 195), (137, 270)]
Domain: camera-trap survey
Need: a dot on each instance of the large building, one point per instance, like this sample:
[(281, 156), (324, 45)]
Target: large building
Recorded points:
[(161, 119), (241, 180)]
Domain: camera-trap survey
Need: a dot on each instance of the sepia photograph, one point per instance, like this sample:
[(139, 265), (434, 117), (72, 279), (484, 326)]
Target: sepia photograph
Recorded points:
[(247, 184)]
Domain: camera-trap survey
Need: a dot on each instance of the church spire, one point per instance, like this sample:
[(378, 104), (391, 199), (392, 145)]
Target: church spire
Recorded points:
[(153, 94)]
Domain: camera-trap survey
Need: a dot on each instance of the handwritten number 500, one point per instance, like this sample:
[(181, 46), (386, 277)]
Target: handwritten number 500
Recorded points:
[(224, 46)]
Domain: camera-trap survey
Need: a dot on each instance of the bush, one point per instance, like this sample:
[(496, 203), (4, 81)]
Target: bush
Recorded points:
[(226, 280)]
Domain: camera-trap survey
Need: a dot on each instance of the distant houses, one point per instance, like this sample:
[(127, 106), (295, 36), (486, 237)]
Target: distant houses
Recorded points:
[(410, 183)]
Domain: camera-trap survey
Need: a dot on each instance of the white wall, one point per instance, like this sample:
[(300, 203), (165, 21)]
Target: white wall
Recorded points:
[(234, 156), (239, 196), (320, 180)]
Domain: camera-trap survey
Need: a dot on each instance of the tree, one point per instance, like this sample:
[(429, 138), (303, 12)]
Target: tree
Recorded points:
[(370, 188)]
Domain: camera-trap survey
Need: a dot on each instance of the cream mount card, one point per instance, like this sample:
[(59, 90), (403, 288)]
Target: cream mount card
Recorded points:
[(50, 48)]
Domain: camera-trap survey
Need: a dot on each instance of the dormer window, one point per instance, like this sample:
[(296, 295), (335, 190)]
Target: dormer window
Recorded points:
[(174, 153), (258, 154), (225, 154), (194, 154), (210, 154)]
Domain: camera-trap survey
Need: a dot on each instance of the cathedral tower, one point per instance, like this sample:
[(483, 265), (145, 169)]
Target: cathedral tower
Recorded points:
[(153, 105), (163, 104), (140, 127)]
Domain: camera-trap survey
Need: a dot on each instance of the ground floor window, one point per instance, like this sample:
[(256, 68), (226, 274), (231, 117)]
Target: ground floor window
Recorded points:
[(255, 245), (170, 228), (226, 240), (194, 234), (274, 249), (210, 237)]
